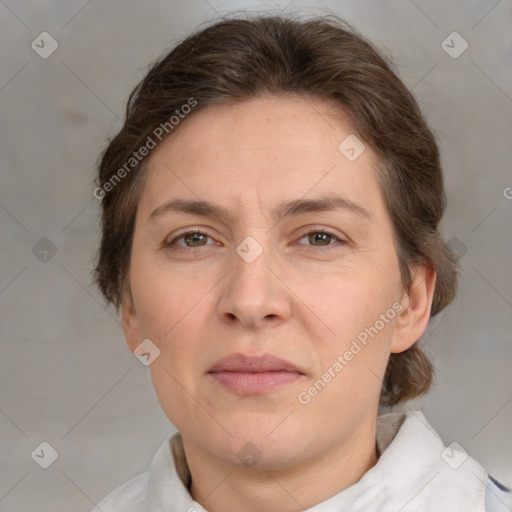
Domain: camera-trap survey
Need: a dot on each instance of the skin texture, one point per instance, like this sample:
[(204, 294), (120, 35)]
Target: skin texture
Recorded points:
[(304, 298)]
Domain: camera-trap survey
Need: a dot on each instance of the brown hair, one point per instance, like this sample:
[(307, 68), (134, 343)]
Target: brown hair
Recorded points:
[(238, 59)]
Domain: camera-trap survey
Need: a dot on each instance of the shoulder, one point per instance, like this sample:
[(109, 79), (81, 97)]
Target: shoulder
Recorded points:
[(498, 498), (128, 497)]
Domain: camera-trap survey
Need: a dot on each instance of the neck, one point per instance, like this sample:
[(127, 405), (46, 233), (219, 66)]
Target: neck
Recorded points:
[(222, 487)]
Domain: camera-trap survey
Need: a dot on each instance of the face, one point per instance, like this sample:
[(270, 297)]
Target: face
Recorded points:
[(273, 277)]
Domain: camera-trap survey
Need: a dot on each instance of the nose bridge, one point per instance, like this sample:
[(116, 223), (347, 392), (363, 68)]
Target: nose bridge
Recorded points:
[(253, 293), (251, 273)]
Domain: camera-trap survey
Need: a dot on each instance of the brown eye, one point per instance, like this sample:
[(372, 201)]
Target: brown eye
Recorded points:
[(320, 238), (195, 239), (191, 239)]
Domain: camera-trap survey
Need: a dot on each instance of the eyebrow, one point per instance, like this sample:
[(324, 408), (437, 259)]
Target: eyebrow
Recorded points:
[(290, 208)]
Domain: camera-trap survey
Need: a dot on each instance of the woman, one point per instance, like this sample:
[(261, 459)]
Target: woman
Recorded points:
[(270, 234)]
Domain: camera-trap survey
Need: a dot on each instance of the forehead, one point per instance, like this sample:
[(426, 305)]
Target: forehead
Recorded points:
[(266, 147), (301, 125)]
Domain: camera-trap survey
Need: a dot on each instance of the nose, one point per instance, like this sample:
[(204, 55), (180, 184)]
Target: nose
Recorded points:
[(254, 293)]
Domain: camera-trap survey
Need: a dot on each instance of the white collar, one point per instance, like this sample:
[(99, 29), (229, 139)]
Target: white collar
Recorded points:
[(412, 473)]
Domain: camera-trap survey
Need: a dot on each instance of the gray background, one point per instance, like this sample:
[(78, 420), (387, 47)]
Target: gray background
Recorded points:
[(67, 376)]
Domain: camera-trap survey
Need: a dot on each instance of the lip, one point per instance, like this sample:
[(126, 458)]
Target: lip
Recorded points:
[(249, 375)]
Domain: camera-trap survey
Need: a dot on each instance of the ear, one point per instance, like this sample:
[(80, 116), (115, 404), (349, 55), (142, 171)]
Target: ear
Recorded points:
[(413, 319), (130, 322)]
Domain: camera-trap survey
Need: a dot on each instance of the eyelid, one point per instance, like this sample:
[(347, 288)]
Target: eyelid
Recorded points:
[(172, 240), (341, 239)]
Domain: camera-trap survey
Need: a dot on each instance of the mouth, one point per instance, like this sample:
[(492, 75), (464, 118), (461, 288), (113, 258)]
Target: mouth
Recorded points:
[(246, 375)]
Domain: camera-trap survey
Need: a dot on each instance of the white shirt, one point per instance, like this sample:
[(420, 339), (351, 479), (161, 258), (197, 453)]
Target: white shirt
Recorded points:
[(415, 472)]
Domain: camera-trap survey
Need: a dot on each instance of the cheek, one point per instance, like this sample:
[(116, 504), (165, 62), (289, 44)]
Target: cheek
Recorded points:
[(169, 389), (350, 299), (353, 364), (362, 317), (161, 298), (172, 312)]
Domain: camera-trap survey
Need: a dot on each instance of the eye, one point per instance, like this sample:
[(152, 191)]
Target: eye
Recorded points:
[(192, 238), (321, 236)]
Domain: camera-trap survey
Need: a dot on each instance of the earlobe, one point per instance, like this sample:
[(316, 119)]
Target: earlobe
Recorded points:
[(413, 320), (130, 324)]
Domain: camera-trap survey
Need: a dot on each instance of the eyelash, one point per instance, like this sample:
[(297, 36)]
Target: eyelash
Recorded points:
[(310, 231)]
